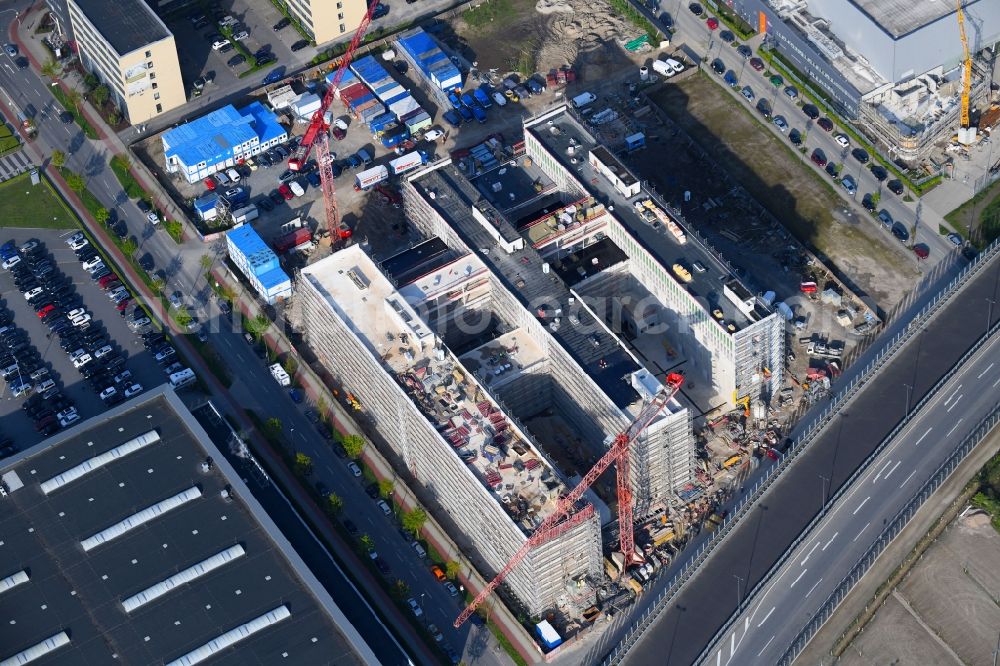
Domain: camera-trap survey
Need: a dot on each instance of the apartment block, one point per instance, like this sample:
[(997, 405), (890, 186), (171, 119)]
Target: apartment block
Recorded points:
[(328, 20), (128, 48), (416, 340)]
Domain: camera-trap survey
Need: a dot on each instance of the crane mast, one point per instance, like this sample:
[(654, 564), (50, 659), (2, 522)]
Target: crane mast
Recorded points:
[(562, 517), (966, 67)]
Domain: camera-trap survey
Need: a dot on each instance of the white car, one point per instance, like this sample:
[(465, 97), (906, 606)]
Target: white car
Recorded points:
[(385, 508), (28, 247), (123, 376), (78, 244), (76, 312), (66, 413), (452, 590), (433, 135), (103, 351), (81, 320), (674, 65), (842, 140), (355, 470), (135, 389), (241, 35), (91, 264), (46, 385), (296, 188), (780, 123), (219, 44), (117, 292), (415, 607), (33, 293), (10, 263), (69, 420), (77, 354), (139, 323), (153, 218), (165, 354), (82, 361), (78, 236), (108, 392)]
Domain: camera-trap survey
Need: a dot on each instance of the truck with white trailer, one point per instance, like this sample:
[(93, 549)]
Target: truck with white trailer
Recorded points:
[(407, 162), (369, 178)]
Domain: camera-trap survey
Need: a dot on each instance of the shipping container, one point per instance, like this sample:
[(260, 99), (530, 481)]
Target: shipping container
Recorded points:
[(206, 207), (382, 122), (245, 214), (418, 121), (371, 177), (293, 239), (407, 162), (404, 107), (306, 105), (395, 136)]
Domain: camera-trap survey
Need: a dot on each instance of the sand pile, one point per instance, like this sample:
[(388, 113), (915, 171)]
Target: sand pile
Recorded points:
[(577, 27)]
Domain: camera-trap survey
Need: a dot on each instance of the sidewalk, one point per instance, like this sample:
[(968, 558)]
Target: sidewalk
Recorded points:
[(35, 51), (316, 390)]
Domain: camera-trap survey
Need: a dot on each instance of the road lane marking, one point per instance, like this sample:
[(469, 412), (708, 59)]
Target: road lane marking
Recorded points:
[(907, 478), (765, 646), (814, 587), (988, 368), (831, 540), (956, 402), (861, 505), (885, 467), (952, 397), (893, 470), (799, 578), (732, 644), (815, 546), (861, 532), (766, 616), (995, 383), (924, 435), (953, 427)]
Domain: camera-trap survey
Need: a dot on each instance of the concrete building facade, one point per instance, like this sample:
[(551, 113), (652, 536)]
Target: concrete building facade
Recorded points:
[(129, 49), (328, 20)]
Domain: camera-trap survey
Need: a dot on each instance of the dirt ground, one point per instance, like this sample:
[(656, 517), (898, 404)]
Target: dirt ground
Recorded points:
[(754, 158), (539, 35), (945, 610)]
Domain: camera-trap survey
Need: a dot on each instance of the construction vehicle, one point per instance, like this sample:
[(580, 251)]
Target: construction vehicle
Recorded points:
[(966, 134), (316, 134), (566, 516)]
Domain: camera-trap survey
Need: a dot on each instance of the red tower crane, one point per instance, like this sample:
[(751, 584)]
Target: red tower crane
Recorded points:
[(562, 517), (316, 132)]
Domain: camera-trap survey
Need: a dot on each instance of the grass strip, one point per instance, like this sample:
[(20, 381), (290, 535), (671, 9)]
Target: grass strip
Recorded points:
[(60, 95)]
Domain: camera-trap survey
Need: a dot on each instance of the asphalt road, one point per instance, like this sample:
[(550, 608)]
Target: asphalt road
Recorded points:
[(753, 547), (695, 33), (765, 629), (253, 384)]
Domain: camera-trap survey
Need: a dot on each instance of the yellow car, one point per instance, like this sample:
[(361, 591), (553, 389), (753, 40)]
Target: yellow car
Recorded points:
[(509, 94), (717, 313)]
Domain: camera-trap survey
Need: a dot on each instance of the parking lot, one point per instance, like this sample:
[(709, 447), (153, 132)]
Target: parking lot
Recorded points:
[(106, 322)]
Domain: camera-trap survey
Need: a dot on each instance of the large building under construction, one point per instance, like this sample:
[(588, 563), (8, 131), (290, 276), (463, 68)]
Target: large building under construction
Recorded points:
[(498, 357)]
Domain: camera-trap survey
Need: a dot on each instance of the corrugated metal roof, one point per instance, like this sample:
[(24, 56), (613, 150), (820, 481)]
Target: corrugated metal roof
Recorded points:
[(212, 138)]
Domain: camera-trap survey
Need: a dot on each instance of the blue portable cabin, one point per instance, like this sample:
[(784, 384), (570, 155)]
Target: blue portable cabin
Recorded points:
[(382, 122)]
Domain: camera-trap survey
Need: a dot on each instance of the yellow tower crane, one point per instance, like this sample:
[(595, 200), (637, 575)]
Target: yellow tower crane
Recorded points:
[(966, 134)]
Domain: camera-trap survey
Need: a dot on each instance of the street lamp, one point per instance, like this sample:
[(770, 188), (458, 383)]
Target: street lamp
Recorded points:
[(822, 505), (989, 313), (739, 597), (908, 389)]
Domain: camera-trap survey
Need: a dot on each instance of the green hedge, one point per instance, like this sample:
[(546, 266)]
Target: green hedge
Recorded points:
[(128, 182)]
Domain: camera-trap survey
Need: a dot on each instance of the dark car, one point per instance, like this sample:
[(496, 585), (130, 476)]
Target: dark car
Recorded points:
[(764, 108), (276, 75), (66, 117), (744, 51), (299, 45), (666, 20), (811, 111), (21, 62), (314, 179), (727, 37), (718, 67), (818, 157), (265, 204), (757, 64), (880, 172), (236, 60), (900, 232), (401, 66), (351, 528), (860, 155), (831, 169), (276, 197), (868, 202), (372, 490), (265, 59), (381, 10), (895, 186), (282, 24), (826, 124), (696, 9), (383, 567)]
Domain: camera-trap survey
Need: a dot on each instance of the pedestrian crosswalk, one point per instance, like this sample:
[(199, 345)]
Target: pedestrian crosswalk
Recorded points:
[(14, 165)]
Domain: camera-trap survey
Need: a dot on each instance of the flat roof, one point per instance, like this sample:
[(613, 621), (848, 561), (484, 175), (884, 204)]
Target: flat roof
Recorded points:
[(213, 137), (901, 17), (418, 260), (706, 286), (386, 321), (83, 561), (596, 350), (127, 25), (605, 157)]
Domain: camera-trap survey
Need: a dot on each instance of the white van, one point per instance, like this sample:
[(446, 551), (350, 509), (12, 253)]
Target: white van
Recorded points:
[(182, 378), (233, 174)]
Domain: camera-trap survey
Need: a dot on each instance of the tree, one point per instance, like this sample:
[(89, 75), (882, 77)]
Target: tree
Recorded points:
[(452, 569), (75, 182), (322, 407), (290, 365), (227, 293), (354, 445), (100, 95), (114, 117), (58, 159), (303, 464), (157, 285), (102, 215), (414, 520), (129, 246), (385, 487), (257, 325), (334, 503), (367, 542), (90, 81), (400, 589), (206, 261), (74, 98), (182, 316), (51, 68), (272, 428)]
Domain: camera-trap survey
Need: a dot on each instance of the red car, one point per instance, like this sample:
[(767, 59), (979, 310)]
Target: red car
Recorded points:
[(819, 157), (46, 310), (826, 124), (286, 192), (338, 133), (107, 279), (124, 304), (757, 64), (712, 23), (210, 183)]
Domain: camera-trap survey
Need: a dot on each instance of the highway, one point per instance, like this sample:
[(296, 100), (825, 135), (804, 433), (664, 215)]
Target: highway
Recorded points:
[(692, 31), (253, 386), (755, 544), (763, 632)]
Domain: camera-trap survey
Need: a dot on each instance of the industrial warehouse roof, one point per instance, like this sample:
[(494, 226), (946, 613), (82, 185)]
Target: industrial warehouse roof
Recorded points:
[(214, 137), (129, 547), (901, 17), (127, 25)]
